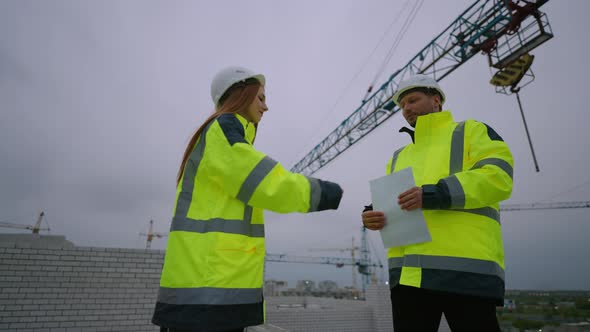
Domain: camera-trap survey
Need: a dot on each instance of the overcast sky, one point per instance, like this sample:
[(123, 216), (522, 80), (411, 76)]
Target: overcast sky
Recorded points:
[(98, 100)]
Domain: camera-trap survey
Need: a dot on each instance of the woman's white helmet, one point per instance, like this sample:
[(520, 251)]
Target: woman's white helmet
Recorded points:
[(418, 81), (229, 76)]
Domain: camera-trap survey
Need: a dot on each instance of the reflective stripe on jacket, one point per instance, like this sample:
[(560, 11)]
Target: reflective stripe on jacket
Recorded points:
[(213, 269), (466, 254)]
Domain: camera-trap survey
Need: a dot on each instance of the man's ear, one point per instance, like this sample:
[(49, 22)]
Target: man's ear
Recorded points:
[(437, 99)]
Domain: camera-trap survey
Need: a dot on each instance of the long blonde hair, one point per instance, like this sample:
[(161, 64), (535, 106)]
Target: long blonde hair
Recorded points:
[(234, 100)]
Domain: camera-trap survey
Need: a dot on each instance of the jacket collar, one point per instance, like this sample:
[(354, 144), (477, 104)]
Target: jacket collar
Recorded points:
[(434, 120), (249, 128), (409, 131), (425, 123)]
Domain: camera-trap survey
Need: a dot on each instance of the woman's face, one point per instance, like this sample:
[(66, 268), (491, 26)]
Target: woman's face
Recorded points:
[(254, 111)]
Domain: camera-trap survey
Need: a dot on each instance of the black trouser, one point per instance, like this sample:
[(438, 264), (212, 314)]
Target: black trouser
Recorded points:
[(416, 309), (163, 329)]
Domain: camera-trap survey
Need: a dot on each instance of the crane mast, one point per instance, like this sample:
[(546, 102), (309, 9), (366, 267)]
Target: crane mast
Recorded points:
[(151, 235), (353, 249), (363, 264)]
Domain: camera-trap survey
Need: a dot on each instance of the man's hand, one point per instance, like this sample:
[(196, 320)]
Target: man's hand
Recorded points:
[(411, 199), (373, 220)]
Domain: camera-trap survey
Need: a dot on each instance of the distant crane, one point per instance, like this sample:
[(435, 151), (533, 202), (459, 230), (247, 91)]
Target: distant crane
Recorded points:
[(353, 249), (364, 265), (35, 228), (151, 234), (546, 206)]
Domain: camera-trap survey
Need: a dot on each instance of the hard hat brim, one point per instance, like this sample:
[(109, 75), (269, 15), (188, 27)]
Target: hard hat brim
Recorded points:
[(260, 79), (401, 92)]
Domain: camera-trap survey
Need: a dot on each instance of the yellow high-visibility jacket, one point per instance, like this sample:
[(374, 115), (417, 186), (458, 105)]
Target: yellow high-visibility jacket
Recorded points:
[(465, 170), (213, 269)]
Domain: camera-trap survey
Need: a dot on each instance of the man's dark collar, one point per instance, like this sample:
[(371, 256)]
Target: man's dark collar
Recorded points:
[(409, 131)]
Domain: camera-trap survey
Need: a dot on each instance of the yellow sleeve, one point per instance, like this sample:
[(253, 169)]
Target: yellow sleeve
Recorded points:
[(258, 180), (486, 178)]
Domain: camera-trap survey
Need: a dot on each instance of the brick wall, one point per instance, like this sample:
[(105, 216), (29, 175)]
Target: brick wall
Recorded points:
[(313, 314), (66, 288), (48, 284), (378, 296)]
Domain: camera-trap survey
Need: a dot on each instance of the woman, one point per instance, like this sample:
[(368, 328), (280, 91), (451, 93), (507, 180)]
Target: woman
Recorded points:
[(213, 271)]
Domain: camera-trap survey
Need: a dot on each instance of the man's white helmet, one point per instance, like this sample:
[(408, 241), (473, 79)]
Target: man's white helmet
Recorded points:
[(418, 81), (229, 76)]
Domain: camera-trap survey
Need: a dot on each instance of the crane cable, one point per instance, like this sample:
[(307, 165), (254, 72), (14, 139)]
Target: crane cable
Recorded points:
[(46, 222), (409, 19), (564, 192), (358, 72)]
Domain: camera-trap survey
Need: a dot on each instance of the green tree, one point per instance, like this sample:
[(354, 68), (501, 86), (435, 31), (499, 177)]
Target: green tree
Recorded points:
[(525, 324), (547, 314), (583, 304)]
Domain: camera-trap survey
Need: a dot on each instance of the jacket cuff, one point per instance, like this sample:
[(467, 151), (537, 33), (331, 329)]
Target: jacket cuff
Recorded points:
[(331, 194), (436, 196)]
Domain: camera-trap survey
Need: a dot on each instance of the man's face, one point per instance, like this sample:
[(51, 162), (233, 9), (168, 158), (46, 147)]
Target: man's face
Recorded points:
[(417, 103)]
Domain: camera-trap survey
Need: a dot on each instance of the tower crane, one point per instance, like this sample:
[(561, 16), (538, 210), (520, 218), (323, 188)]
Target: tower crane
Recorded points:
[(151, 234), (34, 228), (504, 30), (364, 265), (353, 249)]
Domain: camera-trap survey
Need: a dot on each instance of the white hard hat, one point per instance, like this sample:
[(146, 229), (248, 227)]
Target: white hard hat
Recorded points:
[(418, 81), (229, 76)]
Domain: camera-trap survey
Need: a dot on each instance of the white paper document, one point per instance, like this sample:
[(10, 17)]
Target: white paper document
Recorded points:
[(402, 227)]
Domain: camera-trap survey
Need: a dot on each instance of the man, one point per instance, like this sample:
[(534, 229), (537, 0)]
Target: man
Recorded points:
[(462, 171)]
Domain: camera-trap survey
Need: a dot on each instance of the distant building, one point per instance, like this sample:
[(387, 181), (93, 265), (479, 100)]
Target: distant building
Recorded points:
[(565, 304), (327, 286), (274, 287), (305, 286), (569, 327)]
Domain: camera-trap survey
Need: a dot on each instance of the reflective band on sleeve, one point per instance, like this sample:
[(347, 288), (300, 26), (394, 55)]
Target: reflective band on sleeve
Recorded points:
[(315, 191), (254, 178), (484, 211), (456, 191), (504, 165)]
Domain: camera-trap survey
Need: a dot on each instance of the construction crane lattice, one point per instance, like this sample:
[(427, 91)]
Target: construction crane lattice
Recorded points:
[(502, 29), (151, 235), (363, 263), (35, 229)]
